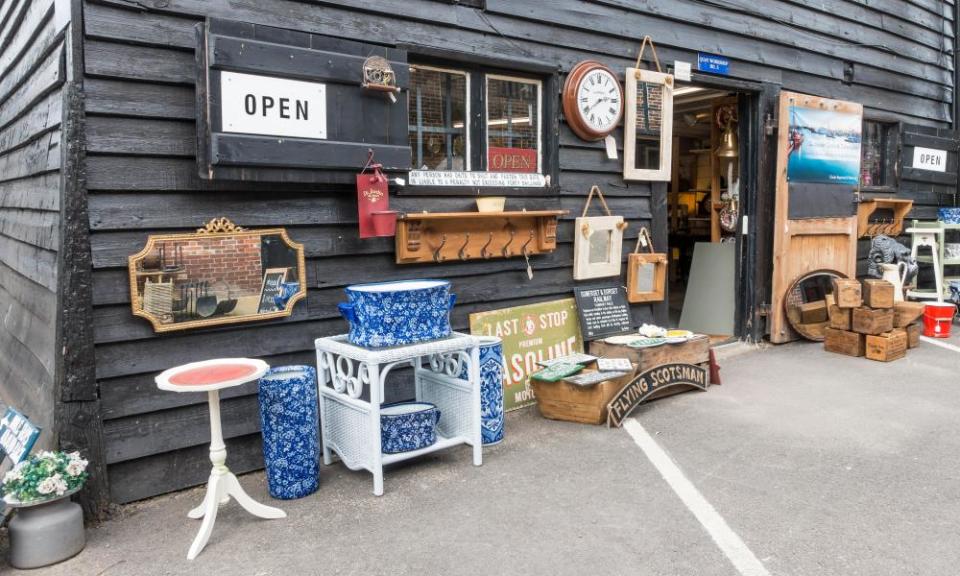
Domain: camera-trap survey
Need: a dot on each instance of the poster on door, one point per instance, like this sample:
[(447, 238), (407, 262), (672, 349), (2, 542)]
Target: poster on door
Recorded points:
[(823, 146), (530, 334)]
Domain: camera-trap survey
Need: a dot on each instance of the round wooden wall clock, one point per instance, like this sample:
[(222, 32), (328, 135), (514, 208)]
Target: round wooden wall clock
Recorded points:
[(592, 100)]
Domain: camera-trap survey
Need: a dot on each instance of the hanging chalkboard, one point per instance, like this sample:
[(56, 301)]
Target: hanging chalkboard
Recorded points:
[(272, 287), (603, 311)]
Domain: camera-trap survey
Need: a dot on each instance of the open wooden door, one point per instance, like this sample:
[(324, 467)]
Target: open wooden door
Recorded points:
[(817, 175)]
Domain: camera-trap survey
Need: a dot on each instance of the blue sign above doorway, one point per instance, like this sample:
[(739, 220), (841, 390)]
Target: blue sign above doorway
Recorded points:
[(713, 63)]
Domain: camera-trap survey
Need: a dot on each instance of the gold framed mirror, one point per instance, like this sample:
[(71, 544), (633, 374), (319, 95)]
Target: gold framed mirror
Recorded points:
[(220, 274)]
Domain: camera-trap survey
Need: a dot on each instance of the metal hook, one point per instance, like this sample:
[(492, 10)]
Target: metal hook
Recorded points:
[(527, 243), (463, 254), (506, 251), (436, 253), (483, 251)]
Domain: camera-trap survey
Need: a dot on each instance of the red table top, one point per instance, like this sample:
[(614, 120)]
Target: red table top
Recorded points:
[(207, 375)]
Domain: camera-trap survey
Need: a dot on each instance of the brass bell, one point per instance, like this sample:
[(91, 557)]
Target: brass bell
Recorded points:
[(729, 146)]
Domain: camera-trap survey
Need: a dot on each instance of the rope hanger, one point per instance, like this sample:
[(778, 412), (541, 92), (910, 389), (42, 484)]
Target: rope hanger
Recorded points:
[(647, 40)]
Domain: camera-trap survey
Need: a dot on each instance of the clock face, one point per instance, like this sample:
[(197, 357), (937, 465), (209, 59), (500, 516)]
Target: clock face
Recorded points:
[(599, 100)]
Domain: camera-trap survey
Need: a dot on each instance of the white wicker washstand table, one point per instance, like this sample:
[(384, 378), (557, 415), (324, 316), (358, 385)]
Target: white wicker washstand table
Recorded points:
[(350, 426)]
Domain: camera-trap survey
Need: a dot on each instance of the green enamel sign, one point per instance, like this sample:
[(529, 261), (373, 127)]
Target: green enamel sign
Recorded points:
[(530, 334)]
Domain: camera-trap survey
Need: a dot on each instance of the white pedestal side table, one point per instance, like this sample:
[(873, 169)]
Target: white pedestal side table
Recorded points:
[(211, 376), (350, 426)]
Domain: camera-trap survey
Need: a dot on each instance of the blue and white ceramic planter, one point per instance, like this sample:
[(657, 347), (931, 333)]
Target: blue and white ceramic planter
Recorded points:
[(492, 370), (407, 426), (398, 313), (949, 215), (954, 291), (291, 437)]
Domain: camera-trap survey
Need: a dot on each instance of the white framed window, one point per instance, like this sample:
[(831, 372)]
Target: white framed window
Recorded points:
[(439, 118), (514, 124)]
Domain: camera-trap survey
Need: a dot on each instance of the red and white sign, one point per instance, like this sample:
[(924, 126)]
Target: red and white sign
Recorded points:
[(511, 159)]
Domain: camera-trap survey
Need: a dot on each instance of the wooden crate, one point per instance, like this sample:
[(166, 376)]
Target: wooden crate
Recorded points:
[(906, 313), (844, 342), (877, 293), (870, 321), (913, 335), (839, 317), (694, 351), (847, 293), (813, 312), (571, 403), (887, 347)]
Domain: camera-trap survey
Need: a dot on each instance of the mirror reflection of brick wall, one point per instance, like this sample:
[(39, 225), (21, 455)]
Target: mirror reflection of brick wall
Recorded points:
[(233, 259)]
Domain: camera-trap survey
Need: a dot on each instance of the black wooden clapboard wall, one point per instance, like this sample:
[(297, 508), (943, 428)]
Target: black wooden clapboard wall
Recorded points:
[(928, 188)]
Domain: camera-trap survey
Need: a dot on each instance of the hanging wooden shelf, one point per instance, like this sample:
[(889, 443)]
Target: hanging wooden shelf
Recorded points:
[(889, 226), (443, 236)]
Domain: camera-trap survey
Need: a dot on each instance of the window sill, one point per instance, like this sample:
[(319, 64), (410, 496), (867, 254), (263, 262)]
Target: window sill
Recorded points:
[(552, 190)]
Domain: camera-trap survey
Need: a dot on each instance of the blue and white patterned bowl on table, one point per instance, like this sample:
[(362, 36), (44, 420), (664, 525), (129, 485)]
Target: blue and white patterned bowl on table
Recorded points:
[(949, 215), (398, 313), (291, 434), (407, 426), (492, 370)]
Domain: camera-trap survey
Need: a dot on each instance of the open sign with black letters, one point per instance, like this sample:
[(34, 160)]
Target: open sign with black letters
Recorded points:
[(930, 159), (253, 104)]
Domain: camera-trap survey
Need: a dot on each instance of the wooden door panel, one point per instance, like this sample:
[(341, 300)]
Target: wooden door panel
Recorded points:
[(807, 245)]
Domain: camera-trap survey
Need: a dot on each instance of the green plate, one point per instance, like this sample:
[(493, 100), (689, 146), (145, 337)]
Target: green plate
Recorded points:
[(557, 372)]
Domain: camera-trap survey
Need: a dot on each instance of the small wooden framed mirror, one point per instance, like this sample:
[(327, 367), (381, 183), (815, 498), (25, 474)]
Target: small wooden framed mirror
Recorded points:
[(220, 274), (646, 272), (648, 128)]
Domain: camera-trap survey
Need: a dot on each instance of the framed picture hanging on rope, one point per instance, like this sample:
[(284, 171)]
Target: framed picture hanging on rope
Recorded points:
[(648, 128), (598, 245)]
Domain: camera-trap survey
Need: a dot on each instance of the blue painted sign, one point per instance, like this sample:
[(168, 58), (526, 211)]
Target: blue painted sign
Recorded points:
[(713, 63), (17, 435)]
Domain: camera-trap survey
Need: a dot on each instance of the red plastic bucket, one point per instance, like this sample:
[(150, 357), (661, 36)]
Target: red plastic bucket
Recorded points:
[(937, 317)]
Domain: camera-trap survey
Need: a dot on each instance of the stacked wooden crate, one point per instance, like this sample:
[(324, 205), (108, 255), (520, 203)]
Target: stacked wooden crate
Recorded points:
[(864, 320)]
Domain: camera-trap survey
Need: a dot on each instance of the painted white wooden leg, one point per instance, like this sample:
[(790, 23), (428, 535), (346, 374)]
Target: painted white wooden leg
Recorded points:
[(211, 503), (199, 510), (249, 504), (475, 425), (378, 482)]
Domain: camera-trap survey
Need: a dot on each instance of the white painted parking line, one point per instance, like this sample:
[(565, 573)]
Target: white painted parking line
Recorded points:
[(732, 546), (940, 343)]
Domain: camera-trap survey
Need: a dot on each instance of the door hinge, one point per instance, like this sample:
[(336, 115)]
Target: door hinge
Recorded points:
[(763, 309)]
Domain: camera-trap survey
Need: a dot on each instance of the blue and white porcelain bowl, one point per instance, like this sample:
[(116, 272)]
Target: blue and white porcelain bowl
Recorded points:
[(407, 426), (398, 313), (949, 215)]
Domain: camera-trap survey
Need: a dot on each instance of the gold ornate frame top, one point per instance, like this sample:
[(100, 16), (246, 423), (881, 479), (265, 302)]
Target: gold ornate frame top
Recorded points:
[(217, 228)]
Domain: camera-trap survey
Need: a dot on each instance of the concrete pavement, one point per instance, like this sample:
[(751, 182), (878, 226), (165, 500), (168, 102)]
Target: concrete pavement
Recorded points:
[(822, 464)]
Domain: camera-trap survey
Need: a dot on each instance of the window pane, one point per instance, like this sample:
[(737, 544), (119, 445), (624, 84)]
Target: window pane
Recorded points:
[(649, 124), (512, 125), (872, 172), (438, 128)]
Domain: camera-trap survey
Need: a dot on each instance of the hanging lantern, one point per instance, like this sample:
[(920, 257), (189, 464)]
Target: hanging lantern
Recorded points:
[(729, 144)]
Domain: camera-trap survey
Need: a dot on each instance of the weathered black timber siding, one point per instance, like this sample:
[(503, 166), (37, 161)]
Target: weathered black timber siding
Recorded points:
[(32, 75), (141, 167)]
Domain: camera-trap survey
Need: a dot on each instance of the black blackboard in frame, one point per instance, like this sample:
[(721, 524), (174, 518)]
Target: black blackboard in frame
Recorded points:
[(603, 311), (273, 279)]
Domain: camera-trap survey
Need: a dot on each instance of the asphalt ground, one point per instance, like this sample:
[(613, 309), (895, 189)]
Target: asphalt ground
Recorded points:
[(818, 464)]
